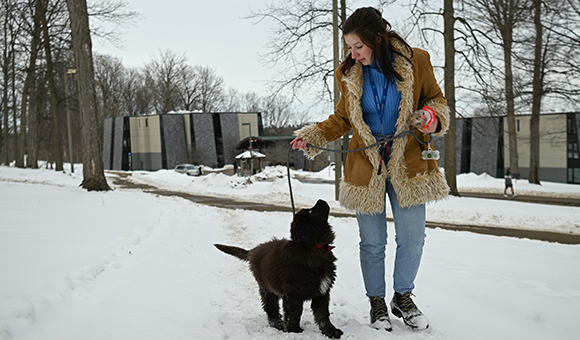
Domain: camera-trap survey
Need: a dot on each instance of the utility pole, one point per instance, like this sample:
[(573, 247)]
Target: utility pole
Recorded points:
[(337, 143), (71, 72), (450, 136), (250, 148)]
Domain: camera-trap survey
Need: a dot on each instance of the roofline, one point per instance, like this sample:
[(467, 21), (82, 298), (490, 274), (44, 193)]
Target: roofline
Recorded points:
[(524, 114)]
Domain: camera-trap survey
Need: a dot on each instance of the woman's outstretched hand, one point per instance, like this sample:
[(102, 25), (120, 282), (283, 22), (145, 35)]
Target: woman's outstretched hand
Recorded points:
[(299, 143), (429, 128), (425, 120)]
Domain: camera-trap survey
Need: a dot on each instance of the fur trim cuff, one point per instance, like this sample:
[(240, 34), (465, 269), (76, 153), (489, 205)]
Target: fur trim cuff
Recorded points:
[(442, 112), (312, 135)]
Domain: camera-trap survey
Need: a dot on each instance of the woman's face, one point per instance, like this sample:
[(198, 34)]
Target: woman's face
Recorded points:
[(358, 50)]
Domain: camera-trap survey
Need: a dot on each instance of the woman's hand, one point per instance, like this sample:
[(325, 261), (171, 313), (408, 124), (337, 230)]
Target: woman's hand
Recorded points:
[(299, 143), (425, 120), (429, 128)]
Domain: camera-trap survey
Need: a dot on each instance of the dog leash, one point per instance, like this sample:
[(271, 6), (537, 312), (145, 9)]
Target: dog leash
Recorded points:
[(381, 143)]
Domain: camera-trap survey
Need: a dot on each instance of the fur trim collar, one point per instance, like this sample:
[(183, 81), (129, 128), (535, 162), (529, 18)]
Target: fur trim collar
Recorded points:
[(354, 83)]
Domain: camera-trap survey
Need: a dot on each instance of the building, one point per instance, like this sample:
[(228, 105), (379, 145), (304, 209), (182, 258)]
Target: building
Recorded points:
[(482, 145), (164, 141)]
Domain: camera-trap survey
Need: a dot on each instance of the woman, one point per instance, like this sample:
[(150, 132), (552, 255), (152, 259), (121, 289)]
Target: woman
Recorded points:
[(380, 60)]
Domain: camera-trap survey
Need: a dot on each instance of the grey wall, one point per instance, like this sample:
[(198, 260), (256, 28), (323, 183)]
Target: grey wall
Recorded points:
[(439, 144), (146, 161), (107, 134), (118, 147), (205, 152), (484, 137), (175, 142), (578, 124), (231, 135), (547, 174)]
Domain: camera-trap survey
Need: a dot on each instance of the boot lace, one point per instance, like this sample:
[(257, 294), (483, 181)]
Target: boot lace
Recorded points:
[(406, 303), (379, 307)]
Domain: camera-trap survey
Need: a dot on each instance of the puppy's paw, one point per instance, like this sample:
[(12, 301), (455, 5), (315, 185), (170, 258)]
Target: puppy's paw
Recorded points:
[(277, 323), (294, 329), (333, 333)]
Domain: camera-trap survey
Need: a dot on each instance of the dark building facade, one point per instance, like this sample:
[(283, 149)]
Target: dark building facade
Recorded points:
[(164, 141), (482, 146)]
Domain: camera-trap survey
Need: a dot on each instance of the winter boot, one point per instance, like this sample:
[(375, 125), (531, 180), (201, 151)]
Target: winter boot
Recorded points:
[(403, 306), (379, 314)]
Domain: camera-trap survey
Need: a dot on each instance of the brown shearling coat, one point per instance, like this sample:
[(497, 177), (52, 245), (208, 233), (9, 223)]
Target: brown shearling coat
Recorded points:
[(415, 181)]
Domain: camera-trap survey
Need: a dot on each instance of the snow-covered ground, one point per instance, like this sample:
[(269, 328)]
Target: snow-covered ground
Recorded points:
[(271, 186), (125, 264)]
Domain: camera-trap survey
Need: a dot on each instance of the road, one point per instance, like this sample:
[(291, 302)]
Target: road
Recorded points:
[(125, 183)]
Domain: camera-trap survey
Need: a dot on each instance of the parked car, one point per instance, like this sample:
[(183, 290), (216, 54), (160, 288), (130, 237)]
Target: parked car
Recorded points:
[(189, 169)]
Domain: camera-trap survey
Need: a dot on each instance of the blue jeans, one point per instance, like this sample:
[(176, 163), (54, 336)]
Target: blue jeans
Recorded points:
[(409, 236)]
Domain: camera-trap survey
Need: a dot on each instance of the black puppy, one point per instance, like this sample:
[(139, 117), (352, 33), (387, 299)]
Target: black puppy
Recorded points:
[(296, 270)]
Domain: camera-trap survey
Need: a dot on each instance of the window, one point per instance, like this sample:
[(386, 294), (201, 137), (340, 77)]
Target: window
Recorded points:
[(571, 125), (574, 175), (573, 150)]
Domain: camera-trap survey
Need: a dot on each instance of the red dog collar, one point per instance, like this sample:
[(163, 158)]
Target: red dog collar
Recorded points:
[(328, 248)]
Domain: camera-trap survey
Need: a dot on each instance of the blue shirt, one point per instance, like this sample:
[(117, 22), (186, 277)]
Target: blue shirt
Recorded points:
[(390, 114)]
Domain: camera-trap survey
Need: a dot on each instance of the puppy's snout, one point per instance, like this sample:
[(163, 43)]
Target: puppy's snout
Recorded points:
[(321, 207)]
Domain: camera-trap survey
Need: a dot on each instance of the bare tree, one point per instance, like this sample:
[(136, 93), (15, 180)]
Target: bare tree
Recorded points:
[(422, 13), (57, 147), (93, 170), (111, 12), (498, 21), (302, 41), (534, 176), (555, 73), (136, 97), (276, 112), (109, 72), (164, 76), (8, 49), (232, 101), (189, 88), (29, 81), (450, 138), (211, 89), (250, 102)]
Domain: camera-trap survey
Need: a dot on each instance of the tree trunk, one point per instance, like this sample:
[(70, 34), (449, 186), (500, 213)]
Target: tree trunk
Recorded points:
[(18, 154), (5, 119), (537, 93), (5, 75), (36, 120), (450, 136), (506, 31), (510, 101), (93, 170), (57, 152), (336, 92), (28, 82), (32, 135)]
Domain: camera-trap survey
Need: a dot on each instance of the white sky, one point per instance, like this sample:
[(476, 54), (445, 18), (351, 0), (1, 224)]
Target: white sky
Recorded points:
[(209, 33)]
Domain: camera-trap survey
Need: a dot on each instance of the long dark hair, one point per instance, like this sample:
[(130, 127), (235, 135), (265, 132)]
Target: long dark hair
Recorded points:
[(368, 24)]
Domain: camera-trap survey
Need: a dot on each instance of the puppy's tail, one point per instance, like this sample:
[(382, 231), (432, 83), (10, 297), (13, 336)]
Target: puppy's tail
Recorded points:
[(240, 253)]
